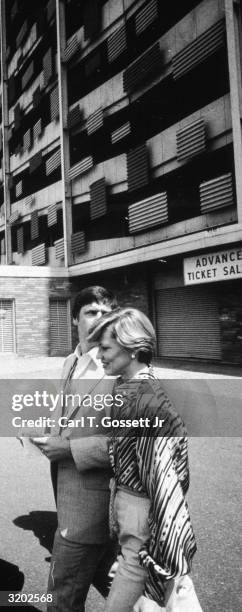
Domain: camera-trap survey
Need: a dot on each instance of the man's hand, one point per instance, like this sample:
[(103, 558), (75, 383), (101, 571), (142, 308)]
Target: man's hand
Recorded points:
[(144, 604), (54, 448)]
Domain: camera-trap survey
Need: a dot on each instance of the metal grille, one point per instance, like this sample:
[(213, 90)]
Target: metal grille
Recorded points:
[(30, 200), (117, 43), (59, 248), (217, 193), (35, 162), (74, 116), (27, 75), (47, 66), (34, 225), (19, 189), (22, 33), (199, 50), (60, 332), (146, 16), (95, 121), (6, 326), (83, 166), (52, 215), (27, 140), (98, 206), (142, 69), (188, 323), (14, 217), (50, 10), (71, 49), (78, 243), (148, 213), (37, 129), (53, 162), (20, 240), (137, 167), (54, 104), (39, 255), (121, 132), (191, 140)]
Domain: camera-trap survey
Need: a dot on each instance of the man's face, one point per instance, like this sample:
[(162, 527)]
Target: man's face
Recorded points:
[(88, 315)]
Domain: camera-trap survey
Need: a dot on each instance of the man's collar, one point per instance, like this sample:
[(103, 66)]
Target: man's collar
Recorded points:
[(92, 353)]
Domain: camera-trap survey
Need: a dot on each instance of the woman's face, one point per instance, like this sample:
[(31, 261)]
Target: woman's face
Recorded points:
[(115, 359)]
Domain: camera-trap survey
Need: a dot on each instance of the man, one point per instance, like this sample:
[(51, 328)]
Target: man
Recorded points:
[(82, 552)]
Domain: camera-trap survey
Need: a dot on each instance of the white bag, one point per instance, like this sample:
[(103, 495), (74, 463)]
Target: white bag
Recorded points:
[(181, 596)]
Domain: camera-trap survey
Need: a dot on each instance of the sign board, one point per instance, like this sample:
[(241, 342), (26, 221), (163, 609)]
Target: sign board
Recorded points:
[(212, 267)]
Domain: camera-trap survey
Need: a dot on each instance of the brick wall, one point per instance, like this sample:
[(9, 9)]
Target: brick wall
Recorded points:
[(31, 303)]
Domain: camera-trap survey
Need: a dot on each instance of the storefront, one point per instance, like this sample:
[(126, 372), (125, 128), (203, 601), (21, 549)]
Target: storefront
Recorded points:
[(198, 307)]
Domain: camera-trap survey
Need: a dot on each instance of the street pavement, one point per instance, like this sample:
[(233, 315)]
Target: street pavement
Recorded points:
[(215, 499)]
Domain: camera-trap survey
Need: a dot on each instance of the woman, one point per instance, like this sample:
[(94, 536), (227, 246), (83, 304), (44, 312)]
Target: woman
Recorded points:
[(150, 466)]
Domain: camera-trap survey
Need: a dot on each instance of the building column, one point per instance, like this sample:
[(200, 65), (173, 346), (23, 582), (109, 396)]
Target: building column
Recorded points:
[(64, 134), (5, 129)]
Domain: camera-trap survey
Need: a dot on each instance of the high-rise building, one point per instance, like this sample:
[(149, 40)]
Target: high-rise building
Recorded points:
[(122, 165)]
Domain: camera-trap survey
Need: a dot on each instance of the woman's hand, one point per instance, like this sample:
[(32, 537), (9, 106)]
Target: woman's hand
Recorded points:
[(144, 604)]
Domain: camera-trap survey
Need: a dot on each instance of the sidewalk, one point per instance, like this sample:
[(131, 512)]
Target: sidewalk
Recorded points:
[(15, 366)]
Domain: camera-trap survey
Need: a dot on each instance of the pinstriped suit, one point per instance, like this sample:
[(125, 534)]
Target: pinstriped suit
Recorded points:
[(82, 486)]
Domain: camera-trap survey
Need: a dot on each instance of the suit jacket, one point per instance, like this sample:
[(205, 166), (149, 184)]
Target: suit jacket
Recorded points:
[(83, 480)]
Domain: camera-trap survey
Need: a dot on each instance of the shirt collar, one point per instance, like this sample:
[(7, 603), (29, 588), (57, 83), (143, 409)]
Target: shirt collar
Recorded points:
[(92, 354)]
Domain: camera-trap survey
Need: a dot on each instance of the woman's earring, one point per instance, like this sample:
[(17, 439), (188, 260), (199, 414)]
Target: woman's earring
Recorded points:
[(133, 356)]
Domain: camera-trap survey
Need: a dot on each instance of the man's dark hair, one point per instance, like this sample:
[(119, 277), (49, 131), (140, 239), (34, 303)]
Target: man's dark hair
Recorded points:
[(93, 294)]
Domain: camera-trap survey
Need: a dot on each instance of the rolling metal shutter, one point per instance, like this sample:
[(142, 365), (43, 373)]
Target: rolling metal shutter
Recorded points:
[(60, 332), (217, 193), (74, 116), (117, 43), (47, 66), (191, 140), (78, 243), (34, 225), (59, 248), (71, 49), (137, 167), (52, 215), (37, 129), (95, 121), (199, 50), (83, 166), (53, 162), (187, 320), (146, 16), (27, 140), (39, 255), (54, 104), (148, 213), (6, 326), (19, 189), (98, 206), (142, 69), (121, 132)]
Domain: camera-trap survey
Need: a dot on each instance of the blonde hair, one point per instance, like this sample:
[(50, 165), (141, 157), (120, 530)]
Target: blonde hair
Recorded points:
[(131, 328)]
